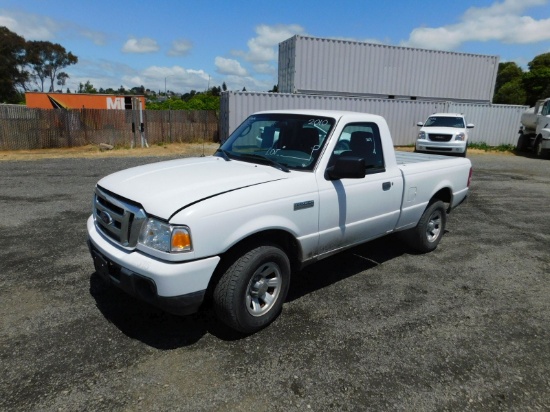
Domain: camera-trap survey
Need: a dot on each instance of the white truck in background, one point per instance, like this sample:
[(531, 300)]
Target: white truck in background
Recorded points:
[(286, 189), (534, 132)]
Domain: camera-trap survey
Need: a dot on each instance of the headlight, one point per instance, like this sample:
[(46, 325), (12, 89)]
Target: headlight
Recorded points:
[(164, 237), (460, 136), (421, 135)]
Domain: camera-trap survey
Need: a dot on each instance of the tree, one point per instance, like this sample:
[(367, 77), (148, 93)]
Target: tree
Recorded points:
[(86, 88), (537, 80), (214, 91), (62, 79), (12, 58), (224, 87), (188, 96), (275, 89), (509, 86), (45, 60), (511, 92), (507, 72), (540, 61)]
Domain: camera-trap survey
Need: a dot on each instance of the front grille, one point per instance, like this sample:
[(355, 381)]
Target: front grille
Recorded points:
[(440, 137), (117, 218)]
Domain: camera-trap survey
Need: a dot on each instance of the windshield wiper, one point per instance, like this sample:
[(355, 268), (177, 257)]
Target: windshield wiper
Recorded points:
[(224, 154), (267, 160)]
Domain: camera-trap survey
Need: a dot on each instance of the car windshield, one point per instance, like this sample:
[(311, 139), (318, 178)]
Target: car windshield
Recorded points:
[(444, 121), (283, 140)]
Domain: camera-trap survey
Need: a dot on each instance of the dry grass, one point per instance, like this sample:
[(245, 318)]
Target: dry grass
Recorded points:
[(173, 149), (93, 151)]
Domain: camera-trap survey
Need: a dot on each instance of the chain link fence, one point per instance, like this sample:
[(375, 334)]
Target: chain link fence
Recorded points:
[(25, 128)]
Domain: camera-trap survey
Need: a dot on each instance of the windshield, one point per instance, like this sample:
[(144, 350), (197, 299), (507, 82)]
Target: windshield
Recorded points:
[(290, 141), (444, 121)]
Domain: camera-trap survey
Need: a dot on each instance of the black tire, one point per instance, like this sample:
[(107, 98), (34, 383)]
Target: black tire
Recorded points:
[(251, 293), (463, 154), (523, 143), (428, 232)]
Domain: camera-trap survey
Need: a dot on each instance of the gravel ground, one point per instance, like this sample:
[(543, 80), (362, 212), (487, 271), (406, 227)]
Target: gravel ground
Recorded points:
[(375, 328)]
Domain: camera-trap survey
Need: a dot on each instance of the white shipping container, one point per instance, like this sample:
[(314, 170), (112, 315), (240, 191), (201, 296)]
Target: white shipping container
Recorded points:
[(313, 65), (494, 124)]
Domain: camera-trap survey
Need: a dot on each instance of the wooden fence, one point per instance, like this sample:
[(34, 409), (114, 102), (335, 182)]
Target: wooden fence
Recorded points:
[(25, 128)]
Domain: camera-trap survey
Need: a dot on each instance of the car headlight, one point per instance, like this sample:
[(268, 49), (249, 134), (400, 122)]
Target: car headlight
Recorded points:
[(165, 237), (421, 135), (460, 136)]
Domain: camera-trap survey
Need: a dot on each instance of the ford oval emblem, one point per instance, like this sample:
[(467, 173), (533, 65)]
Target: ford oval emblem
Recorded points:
[(105, 217)]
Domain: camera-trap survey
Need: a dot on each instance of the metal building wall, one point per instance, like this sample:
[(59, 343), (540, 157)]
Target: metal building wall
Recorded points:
[(401, 115), (494, 124), (339, 67)]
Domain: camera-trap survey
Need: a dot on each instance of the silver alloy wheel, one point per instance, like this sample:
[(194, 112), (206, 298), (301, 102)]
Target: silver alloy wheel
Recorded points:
[(263, 289), (433, 229)]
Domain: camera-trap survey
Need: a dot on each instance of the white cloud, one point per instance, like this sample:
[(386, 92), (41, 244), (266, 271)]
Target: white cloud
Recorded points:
[(38, 27), (250, 83), (263, 47), (502, 21), (177, 78), (180, 47), (30, 26), (143, 45), (265, 68), (229, 66)]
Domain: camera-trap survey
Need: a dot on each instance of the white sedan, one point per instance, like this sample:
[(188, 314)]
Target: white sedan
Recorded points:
[(443, 133)]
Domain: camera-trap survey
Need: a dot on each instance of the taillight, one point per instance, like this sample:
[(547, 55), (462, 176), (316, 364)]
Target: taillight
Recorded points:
[(470, 177)]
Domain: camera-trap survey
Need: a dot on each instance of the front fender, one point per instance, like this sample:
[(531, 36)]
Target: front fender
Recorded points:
[(545, 133)]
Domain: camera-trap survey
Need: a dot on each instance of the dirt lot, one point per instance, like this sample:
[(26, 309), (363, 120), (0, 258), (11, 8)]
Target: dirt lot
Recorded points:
[(375, 328)]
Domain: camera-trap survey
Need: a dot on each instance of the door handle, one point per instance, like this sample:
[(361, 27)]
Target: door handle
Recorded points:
[(387, 186)]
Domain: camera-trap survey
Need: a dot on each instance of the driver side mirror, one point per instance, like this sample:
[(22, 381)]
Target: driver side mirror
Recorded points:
[(347, 167)]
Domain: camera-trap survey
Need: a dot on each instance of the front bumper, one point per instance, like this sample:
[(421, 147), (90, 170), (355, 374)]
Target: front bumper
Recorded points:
[(452, 147), (177, 288)]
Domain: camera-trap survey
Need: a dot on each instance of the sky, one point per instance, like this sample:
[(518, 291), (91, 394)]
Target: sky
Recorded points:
[(181, 45)]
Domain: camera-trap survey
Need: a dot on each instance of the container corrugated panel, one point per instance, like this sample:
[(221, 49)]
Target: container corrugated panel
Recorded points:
[(401, 115), (494, 124), (339, 67)]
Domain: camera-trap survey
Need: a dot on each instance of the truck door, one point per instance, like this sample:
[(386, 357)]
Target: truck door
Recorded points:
[(543, 120), (355, 210)]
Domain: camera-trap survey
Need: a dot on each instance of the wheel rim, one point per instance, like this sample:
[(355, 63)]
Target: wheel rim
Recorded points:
[(433, 229), (538, 150), (263, 289)]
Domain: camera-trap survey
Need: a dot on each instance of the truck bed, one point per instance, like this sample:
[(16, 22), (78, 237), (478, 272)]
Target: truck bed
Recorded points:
[(404, 158)]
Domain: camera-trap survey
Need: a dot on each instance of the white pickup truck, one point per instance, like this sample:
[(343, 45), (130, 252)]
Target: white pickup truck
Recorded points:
[(286, 189)]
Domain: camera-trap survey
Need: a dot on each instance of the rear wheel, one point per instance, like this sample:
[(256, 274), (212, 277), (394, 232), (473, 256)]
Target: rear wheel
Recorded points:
[(430, 228), (251, 293)]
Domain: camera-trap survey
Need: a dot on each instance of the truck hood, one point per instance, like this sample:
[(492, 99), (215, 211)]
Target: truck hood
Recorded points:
[(166, 187)]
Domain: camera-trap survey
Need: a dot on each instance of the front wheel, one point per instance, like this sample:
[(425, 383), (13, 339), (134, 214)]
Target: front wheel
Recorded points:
[(523, 143), (539, 151), (251, 293), (430, 228)]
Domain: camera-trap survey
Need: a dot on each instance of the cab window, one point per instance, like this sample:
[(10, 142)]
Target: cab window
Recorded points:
[(361, 140)]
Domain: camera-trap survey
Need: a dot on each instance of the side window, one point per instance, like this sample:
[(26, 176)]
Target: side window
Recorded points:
[(361, 140), (546, 108)]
